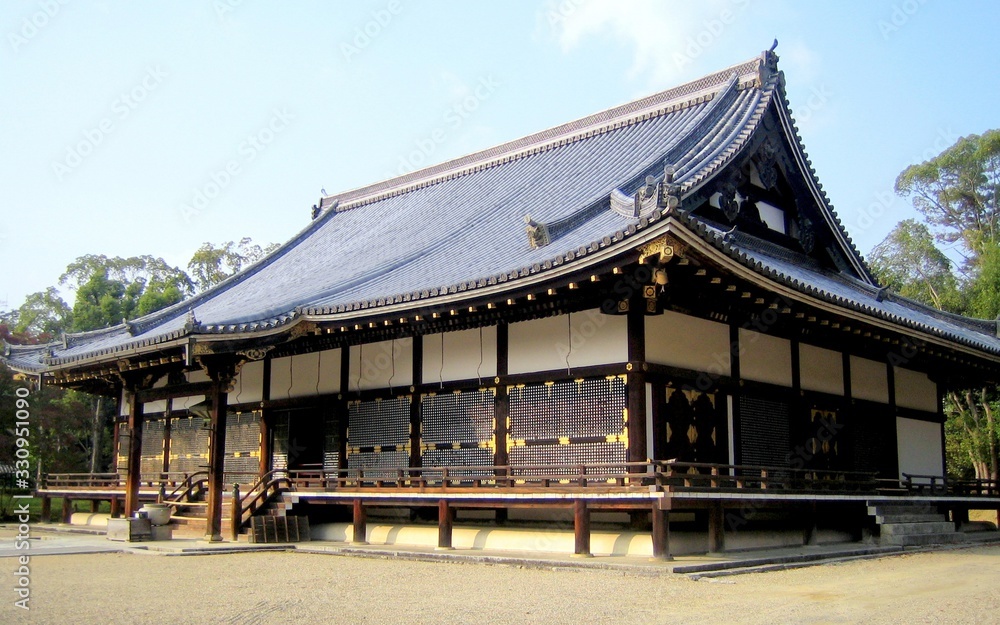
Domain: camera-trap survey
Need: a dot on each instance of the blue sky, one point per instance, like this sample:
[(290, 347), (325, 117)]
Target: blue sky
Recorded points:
[(119, 119)]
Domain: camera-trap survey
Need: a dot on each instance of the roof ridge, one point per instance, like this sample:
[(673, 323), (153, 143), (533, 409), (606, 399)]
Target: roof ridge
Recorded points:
[(693, 92)]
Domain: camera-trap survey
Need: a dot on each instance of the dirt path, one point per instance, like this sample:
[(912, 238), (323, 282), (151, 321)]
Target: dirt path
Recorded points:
[(943, 587)]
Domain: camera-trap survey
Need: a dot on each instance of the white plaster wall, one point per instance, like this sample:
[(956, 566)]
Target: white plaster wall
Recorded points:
[(305, 375), (687, 342), (152, 407), (183, 403), (249, 384), (765, 358), (919, 445), (462, 353), (198, 375), (821, 369), (915, 390), (869, 380), (586, 338), (381, 365)]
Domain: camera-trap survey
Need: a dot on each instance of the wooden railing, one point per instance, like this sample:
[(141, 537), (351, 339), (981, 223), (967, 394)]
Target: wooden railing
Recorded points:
[(260, 492), (82, 481), (693, 476), (189, 489), (941, 485)]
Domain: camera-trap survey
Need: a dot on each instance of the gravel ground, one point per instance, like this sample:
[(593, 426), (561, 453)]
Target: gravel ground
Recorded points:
[(958, 586)]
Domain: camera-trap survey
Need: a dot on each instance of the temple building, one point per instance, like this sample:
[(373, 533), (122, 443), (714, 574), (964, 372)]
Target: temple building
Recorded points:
[(652, 314)]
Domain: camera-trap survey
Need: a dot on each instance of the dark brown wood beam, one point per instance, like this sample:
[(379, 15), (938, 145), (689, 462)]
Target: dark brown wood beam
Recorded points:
[(132, 477), (360, 523), (178, 390), (221, 372), (636, 385), (661, 533), (581, 528), (446, 522)]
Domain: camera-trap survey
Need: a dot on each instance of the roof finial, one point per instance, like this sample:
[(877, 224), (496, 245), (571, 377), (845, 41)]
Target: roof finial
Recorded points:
[(773, 45), (768, 64)]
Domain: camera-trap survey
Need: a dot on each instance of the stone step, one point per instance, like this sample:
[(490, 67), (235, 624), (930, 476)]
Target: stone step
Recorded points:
[(909, 529), (915, 540), (910, 518), (894, 509)]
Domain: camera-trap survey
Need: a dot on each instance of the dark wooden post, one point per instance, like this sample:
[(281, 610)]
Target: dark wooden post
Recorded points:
[(133, 475), (221, 373), (167, 421), (810, 533), (46, 509), (360, 523), (581, 528), (266, 418), (67, 510), (116, 507), (636, 382), (446, 520), (716, 529), (117, 429), (416, 459), (236, 521), (501, 455), (661, 533), (737, 391)]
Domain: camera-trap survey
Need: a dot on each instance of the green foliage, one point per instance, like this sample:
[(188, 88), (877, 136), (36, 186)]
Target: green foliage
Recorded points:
[(983, 291), (957, 190), (110, 290), (908, 262), (211, 265), (43, 314)]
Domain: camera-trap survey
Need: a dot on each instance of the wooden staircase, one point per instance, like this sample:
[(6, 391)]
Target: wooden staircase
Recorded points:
[(904, 523)]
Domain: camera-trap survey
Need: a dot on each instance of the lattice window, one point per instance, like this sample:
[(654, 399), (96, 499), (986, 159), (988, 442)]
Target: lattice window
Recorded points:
[(152, 447), (188, 445), (242, 459), (457, 429), (279, 454), (569, 422), (122, 451), (379, 433), (765, 431)]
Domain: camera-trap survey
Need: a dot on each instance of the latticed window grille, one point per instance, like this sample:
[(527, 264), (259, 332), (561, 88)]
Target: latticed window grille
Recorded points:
[(279, 454), (765, 428), (122, 451), (331, 442), (378, 434), (571, 422), (152, 447), (188, 445), (242, 460), (457, 429)]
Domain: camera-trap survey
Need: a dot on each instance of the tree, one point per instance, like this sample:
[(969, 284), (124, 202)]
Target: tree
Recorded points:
[(211, 265), (110, 290), (43, 314), (908, 262), (956, 191)]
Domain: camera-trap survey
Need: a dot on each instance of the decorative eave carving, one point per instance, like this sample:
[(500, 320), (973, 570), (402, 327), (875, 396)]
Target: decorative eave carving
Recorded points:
[(255, 353), (538, 234)]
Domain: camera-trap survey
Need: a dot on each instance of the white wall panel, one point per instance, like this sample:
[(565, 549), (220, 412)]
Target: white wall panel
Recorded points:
[(249, 384), (585, 338), (919, 445), (869, 380), (765, 358), (821, 369), (381, 365), (915, 390), (305, 375), (463, 352), (688, 342)]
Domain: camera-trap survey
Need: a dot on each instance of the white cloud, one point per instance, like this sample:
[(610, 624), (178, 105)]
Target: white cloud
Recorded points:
[(665, 36)]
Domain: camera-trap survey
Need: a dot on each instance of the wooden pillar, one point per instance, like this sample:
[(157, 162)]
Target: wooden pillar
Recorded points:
[(446, 521), (133, 475), (416, 459), (661, 533), (116, 507), (115, 433), (360, 523), (167, 427), (636, 383), (581, 528), (46, 509), (221, 375), (344, 413), (95, 506), (501, 456), (67, 510), (737, 390), (716, 529), (266, 421)]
